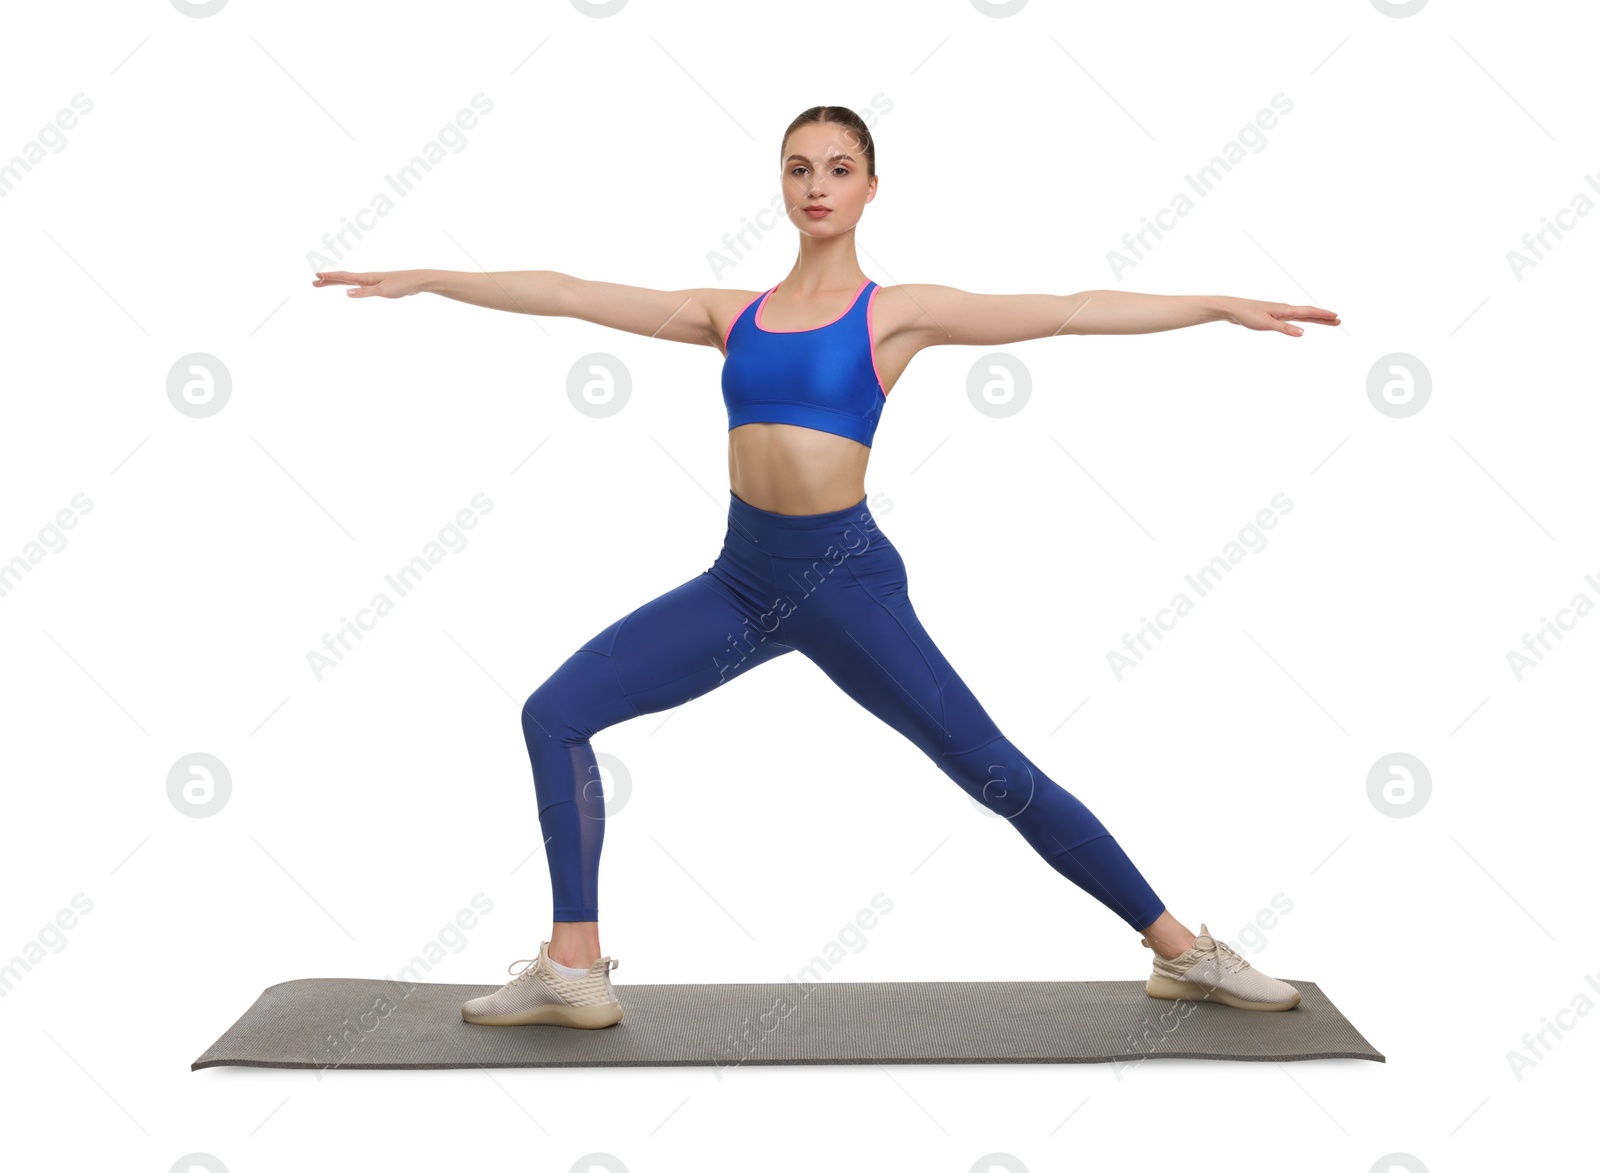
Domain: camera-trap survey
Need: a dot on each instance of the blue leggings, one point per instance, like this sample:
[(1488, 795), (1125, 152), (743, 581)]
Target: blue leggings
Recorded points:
[(832, 586)]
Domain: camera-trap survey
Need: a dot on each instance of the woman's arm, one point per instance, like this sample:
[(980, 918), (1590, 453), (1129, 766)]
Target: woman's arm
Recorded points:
[(939, 315), (678, 315)]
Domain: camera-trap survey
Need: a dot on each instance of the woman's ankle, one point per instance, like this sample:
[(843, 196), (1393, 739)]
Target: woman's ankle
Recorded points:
[(574, 960), (575, 944), (1168, 938)]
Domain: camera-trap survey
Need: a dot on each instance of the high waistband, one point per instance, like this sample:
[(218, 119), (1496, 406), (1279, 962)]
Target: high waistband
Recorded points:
[(800, 535)]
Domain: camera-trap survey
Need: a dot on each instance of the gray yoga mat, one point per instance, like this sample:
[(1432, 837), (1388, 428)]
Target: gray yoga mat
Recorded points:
[(360, 1023)]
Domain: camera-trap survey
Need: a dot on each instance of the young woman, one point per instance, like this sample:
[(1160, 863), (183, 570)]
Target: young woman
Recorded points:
[(807, 368)]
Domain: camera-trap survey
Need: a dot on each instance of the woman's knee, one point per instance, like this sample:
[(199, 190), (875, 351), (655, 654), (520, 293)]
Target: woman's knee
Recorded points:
[(580, 698), (997, 775), (544, 717)]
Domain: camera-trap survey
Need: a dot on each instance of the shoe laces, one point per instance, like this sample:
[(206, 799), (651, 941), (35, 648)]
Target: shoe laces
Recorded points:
[(1225, 956), (527, 963)]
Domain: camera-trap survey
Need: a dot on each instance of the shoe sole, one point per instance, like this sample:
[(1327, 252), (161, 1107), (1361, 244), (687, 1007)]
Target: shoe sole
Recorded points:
[(1173, 990), (583, 1017)]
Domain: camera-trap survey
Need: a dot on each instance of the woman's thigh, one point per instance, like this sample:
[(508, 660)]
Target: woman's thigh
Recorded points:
[(675, 647), (857, 623)]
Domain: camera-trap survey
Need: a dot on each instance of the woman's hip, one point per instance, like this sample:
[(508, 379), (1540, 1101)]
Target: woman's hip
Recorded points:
[(846, 531), (775, 564)]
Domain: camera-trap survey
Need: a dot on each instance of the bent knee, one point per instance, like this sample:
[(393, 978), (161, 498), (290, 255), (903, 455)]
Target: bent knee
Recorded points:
[(540, 704), (545, 715), (580, 698)]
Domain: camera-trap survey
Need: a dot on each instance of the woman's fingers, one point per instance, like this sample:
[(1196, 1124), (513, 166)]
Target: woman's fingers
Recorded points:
[(1274, 318), (396, 284), (366, 284), (340, 277), (1307, 313)]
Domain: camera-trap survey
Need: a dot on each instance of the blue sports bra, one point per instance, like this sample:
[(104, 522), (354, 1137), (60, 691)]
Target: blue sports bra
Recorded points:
[(824, 378)]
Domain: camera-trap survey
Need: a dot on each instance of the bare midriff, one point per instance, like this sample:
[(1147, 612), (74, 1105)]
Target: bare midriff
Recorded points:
[(783, 468)]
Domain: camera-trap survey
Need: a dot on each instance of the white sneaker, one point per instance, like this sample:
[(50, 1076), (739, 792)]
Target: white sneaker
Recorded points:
[(538, 994), (1212, 972)]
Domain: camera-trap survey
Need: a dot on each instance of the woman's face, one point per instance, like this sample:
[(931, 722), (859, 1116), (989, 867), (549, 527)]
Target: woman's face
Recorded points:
[(824, 166)]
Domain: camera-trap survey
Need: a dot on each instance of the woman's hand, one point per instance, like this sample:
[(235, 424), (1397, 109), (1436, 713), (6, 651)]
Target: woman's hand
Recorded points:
[(400, 283), (1274, 315)]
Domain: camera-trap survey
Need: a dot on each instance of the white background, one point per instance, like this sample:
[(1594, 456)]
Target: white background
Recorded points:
[(369, 807)]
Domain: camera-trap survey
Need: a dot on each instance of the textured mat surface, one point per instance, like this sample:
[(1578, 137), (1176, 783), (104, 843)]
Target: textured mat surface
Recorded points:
[(331, 1023)]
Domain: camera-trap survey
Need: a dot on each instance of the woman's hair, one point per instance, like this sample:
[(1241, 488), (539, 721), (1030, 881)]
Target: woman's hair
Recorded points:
[(860, 136)]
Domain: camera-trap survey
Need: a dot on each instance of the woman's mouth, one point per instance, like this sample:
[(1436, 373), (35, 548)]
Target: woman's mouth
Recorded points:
[(816, 212)]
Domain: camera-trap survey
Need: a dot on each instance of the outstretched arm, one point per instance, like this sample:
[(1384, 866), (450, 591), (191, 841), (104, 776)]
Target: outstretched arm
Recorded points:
[(943, 316), (678, 315)]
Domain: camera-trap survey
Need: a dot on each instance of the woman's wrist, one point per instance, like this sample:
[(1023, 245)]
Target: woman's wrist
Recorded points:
[(1218, 308)]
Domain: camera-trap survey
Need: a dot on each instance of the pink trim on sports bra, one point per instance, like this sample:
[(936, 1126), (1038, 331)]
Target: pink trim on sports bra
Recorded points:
[(872, 350), (824, 326), (735, 318)]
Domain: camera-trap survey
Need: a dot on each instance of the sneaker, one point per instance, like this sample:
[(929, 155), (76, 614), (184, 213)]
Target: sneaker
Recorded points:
[(538, 994), (1210, 971)]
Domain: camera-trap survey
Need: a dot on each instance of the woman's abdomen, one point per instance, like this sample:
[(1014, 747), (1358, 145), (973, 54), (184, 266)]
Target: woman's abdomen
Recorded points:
[(783, 468)]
